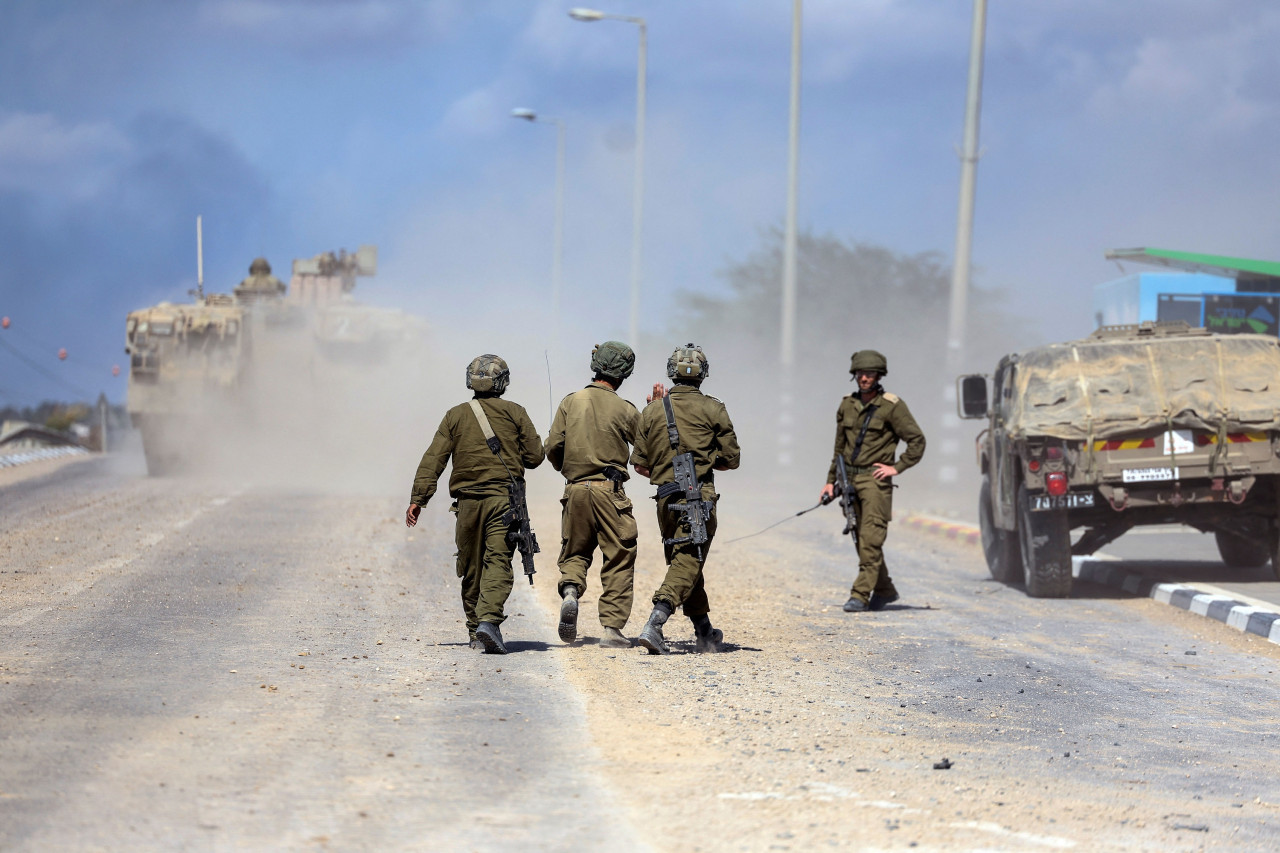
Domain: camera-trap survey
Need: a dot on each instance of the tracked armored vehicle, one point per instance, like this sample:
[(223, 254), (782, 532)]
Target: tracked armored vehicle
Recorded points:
[(1135, 425), (221, 378)]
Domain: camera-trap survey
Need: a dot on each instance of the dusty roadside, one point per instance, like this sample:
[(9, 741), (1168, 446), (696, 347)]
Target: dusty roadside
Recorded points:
[(816, 728)]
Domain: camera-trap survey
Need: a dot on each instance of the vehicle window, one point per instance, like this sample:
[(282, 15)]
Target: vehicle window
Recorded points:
[(162, 327)]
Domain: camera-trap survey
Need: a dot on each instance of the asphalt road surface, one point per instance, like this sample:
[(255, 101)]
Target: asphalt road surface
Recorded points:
[(212, 666)]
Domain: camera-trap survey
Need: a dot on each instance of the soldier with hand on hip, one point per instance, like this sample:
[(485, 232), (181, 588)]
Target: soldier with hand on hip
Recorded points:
[(685, 437), (483, 471), (591, 437), (869, 425)]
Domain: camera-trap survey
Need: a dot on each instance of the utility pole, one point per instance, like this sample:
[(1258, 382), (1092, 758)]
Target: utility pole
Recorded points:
[(948, 471)]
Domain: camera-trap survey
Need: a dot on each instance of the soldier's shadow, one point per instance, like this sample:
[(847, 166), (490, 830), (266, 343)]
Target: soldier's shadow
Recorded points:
[(517, 646), (688, 647), (889, 608)]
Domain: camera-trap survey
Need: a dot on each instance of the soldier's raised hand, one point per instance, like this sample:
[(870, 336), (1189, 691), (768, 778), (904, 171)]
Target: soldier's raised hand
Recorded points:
[(659, 391)]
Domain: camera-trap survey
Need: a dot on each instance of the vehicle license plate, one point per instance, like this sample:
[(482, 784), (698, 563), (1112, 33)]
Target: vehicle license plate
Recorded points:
[(1149, 475), (1072, 500)]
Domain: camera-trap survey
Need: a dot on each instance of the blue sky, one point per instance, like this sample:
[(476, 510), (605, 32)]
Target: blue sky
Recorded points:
[(299, 126)]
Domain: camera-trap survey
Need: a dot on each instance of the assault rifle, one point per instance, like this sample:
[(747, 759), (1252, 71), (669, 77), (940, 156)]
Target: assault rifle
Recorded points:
[(844, 491), (695, 510), (519, 530)]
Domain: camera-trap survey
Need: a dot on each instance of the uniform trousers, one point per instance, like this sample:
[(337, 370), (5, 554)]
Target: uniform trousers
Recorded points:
[(484, 558), (597, 514), (873, 501), (683, 585)]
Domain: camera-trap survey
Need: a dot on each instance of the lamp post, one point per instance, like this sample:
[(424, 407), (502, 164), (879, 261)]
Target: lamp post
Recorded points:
[(787, 336), (637, 195), (557, 260)]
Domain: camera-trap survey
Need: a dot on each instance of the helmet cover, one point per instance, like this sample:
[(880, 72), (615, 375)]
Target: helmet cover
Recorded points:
[(488, 374), (688, 364), (869, 359), (613, 360)]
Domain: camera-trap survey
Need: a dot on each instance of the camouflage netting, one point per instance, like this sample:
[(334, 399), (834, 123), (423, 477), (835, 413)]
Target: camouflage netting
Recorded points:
[(1096, 389)]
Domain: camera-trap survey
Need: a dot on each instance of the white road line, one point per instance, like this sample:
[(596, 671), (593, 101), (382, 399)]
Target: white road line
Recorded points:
[(997, 829)]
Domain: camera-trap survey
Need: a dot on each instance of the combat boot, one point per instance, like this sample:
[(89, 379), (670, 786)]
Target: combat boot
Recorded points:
[(705, 637), (476, 645), (489, 634), (651, 635), (568, 627), (879, 602), (855, 605), (611, 638)]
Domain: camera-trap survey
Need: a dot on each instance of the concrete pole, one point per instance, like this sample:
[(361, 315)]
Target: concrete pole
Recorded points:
[(637, 210), (199, 258), (789, 260), (948, 470)]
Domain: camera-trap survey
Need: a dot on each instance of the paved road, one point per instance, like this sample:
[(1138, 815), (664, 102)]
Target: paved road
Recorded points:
[(188, 665)]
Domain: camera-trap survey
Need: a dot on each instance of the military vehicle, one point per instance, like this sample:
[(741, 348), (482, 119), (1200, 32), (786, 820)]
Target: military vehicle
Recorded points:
[(268, 361), (1154, 423)]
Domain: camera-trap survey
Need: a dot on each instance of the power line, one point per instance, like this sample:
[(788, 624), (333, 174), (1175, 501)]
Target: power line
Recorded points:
[(43, 371)]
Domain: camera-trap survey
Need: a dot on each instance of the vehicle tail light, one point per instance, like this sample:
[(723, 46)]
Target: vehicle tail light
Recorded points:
[(1056, 483), (1033, 466), (1053, 452)]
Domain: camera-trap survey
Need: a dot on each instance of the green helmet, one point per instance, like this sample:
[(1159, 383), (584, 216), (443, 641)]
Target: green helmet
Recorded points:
[(613, 360), (688, 364), (869, 359), (488, 374)]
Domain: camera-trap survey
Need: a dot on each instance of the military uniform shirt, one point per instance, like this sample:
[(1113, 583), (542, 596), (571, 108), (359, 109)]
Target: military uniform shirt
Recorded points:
[(705, 429), (892, 422), (477, 471), (604, 428)]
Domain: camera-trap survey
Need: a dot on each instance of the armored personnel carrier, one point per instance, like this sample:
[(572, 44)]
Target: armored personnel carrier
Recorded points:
[(218, 380), (1135, 425)]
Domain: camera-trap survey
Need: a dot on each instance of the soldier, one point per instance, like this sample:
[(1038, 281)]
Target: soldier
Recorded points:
[(260, 283), (704, 429), (869, 425), (591, 435), (478, 486)]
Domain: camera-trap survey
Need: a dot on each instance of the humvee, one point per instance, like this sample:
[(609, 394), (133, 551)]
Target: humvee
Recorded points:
[(1155, 423)]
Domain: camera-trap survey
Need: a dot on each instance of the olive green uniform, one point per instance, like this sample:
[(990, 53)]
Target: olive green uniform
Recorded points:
[(591, 434), (890, 423), (706, 431), (478, 485)]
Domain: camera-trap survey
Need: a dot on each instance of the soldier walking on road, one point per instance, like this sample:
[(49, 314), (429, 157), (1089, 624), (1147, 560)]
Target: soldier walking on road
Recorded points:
[(869, 425), (479, 486), (591, 435), (685, 422)]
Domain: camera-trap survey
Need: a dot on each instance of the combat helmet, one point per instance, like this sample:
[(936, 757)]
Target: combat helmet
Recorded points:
[(688, 364), (869, 359), (488, 374), (259, 267), (613, 360)]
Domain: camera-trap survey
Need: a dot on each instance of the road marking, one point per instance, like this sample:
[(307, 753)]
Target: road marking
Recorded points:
[(21, 617), (997, 829)]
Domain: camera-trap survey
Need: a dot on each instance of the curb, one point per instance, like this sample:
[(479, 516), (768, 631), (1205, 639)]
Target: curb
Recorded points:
[(1251, 616)]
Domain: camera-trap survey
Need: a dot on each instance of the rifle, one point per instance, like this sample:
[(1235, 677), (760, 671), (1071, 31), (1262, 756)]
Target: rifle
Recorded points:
[(519, 528), (695, 510), (844, 491), (844, 485)]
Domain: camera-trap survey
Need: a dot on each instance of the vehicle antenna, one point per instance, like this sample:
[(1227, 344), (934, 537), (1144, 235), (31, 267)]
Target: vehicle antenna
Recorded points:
[(550, 416), (199, 259)]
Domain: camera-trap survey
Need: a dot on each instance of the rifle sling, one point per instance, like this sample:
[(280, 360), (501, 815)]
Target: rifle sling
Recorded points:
[(673, 434), (490, 439), (862, 433)]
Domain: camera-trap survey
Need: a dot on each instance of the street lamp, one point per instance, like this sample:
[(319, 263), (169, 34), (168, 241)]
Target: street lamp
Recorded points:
[(557, 262), (637, 195)]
